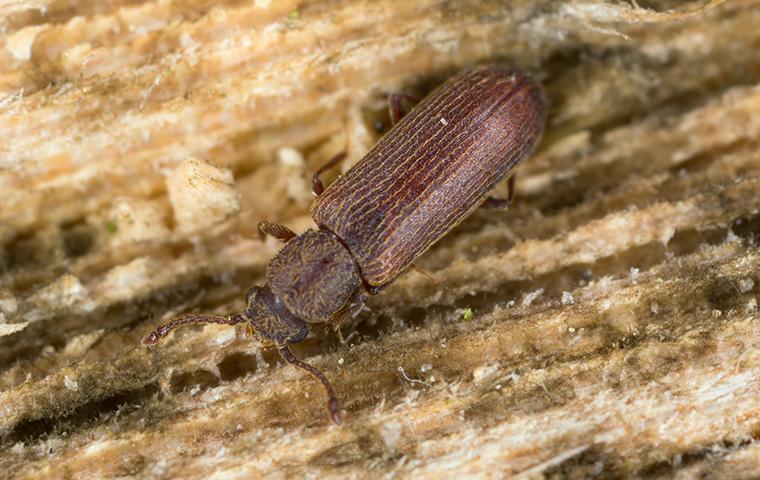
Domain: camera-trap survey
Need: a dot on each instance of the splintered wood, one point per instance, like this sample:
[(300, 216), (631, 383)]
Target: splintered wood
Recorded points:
[(605, 326)]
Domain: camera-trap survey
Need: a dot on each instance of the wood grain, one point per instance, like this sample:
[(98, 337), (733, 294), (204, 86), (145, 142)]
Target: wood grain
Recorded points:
[(606, 326)]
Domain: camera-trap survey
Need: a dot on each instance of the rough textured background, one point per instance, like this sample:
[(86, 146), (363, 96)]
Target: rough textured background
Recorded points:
[(613, 329)]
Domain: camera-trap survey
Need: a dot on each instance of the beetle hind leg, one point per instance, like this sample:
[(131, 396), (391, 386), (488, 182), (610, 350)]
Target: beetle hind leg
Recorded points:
[(422, 271), (350, 310), (494, 203)]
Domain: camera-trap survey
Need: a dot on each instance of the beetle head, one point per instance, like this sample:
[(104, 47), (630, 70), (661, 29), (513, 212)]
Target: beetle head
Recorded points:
[(274, 323), (271, 320)]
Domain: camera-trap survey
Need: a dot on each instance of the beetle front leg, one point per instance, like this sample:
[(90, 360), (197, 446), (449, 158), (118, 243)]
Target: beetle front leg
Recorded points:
[(280, 232), (332, 399)]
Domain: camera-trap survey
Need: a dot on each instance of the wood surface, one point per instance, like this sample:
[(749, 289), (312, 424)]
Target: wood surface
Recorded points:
[(605, 327)]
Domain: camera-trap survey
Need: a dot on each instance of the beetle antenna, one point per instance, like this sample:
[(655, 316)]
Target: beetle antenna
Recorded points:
[(163, 330), (332, 400)]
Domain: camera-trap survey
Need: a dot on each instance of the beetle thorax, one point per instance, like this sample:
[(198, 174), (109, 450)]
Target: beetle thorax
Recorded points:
[(314, 275)]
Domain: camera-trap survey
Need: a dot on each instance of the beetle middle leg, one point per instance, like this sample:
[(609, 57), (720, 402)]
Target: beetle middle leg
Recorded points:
[(280, 232), (350, 310), (317, 187), (501, 203), (397, 112), (396, 106)]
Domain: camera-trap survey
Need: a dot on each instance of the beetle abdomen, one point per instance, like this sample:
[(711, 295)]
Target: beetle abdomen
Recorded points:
[(432, 169)]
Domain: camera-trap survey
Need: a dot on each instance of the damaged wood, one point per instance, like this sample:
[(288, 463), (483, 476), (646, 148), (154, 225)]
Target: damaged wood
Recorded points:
[(606, 325)]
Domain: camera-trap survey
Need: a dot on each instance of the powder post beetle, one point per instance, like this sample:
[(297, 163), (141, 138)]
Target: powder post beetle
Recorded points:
[(424, 176)]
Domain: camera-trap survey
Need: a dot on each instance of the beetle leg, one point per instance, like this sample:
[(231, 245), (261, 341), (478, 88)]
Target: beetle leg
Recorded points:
[(343, 340), (501, 203), (163, 330), (375, 289), (357, 303), (337, 319), (493, 203), (332, 399), (396, 107), (422, 271), (316, 184), (351, 309), (249, 331), (280, 232), (340, 334)]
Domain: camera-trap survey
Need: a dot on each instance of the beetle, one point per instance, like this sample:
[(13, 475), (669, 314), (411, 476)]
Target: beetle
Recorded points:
[(423, 177)]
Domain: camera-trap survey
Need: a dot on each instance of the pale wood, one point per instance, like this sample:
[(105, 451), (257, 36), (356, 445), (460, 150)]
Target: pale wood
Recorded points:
[(605, 325)]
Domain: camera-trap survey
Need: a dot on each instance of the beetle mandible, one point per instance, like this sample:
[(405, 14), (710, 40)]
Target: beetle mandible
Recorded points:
[(430, 171)]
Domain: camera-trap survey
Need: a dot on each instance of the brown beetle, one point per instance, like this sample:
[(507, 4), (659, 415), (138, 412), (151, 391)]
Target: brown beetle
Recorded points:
[(429, 172)]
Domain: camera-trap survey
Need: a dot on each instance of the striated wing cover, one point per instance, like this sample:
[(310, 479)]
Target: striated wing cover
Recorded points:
[(432, 169)]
